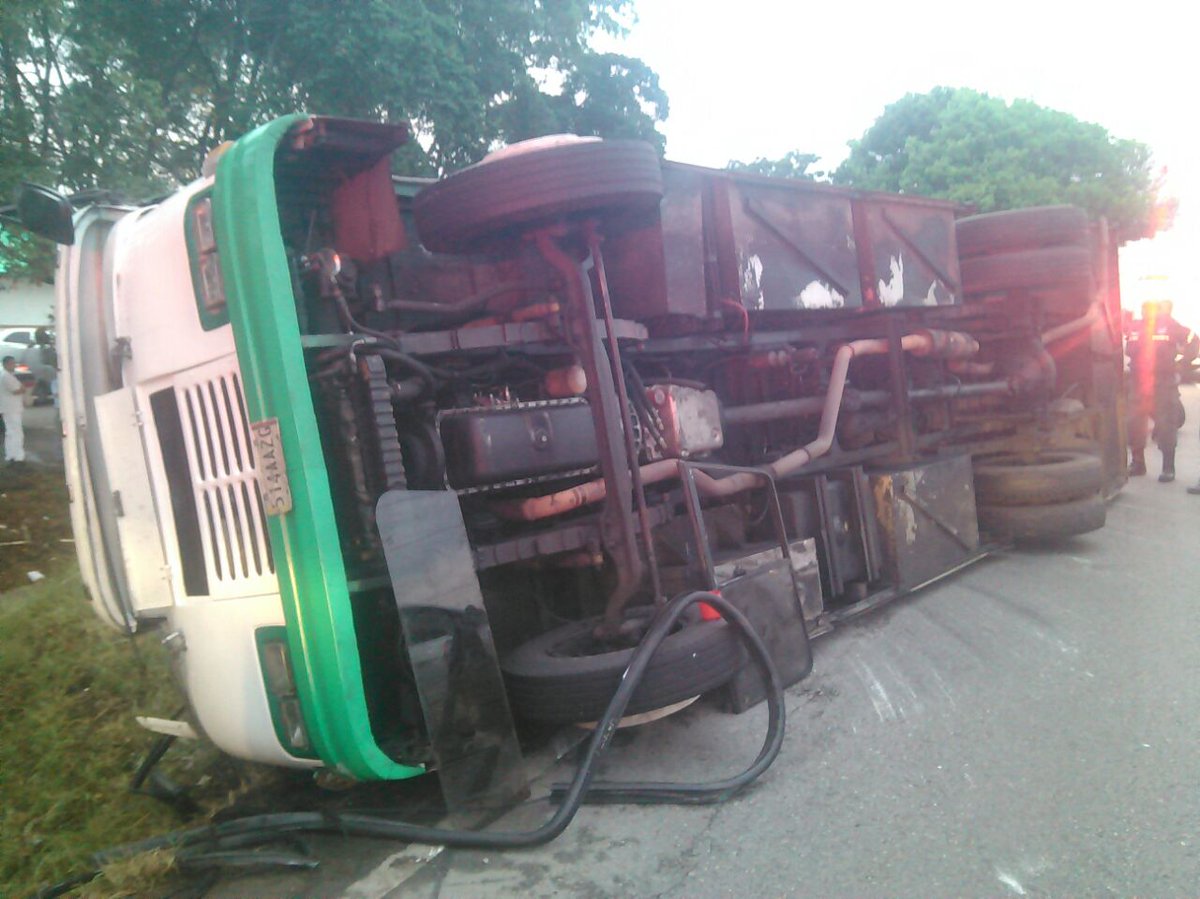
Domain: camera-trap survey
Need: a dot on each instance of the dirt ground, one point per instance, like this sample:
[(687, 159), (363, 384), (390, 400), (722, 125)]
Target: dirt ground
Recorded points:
[(35, 524)]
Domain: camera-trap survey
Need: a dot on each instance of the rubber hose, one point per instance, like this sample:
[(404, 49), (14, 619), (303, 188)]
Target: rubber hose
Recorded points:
[(244, 830)]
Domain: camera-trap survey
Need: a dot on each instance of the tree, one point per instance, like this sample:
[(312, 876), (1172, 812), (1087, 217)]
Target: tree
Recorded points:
[(965, 146), (27, 69), (108, 93), (603, 94), (793, 165)]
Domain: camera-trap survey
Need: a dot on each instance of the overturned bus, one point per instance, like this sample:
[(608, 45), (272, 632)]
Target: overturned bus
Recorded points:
[(404, 467)]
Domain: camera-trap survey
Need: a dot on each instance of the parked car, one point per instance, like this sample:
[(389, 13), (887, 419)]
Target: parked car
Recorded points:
[(14, 341)]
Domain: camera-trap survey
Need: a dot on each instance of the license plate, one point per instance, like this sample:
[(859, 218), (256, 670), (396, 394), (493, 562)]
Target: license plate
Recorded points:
[(272, 471)]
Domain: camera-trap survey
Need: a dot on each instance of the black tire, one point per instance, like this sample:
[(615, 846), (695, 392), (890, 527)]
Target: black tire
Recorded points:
[(1056, 267), (1043, 523), (547, 684), (1054, 476), (1021, 229), (463, 211), (1070, 301)]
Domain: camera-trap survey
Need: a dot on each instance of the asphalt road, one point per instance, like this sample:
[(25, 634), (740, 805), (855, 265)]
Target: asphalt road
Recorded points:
[(1027, 727)]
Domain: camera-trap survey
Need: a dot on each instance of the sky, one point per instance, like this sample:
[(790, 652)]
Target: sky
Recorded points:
[(758, 78)]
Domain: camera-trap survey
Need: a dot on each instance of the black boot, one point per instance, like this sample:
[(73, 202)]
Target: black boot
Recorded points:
[(1168, 472), (1138, 466)]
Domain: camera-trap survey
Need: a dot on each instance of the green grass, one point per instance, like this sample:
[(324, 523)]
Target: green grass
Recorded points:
[(69, 689)]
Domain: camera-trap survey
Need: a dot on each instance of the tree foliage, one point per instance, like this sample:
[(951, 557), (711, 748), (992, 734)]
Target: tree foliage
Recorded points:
[(792, 165), (963, 145), (117, 94)]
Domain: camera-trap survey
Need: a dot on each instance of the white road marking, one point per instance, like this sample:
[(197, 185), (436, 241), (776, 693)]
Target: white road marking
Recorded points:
[(392, 871), (1011, 882), (878, 695)]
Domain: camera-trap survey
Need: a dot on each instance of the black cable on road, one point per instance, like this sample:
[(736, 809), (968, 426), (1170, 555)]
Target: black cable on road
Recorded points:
[(263, 828)]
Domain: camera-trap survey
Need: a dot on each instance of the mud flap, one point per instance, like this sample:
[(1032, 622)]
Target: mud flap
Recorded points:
[(449, 641), (766, 588)]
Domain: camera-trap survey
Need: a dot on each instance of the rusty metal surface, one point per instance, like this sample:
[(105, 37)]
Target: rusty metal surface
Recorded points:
[(483, 337), (691, 419), (773, 589), (914, 254), (684, 241), (793, 249), (553, 541), (619, 532), (805, 568), (925, 519), (786, 245), (833, 508), (623, 404), (763, 589)]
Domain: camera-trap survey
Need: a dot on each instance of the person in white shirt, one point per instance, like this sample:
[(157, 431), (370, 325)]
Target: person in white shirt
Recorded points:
[(12, 407)]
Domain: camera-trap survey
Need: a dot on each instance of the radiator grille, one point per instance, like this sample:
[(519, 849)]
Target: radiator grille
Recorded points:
[(229, 503)]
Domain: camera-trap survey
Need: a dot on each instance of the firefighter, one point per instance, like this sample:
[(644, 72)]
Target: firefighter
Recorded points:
[(1156, 347)]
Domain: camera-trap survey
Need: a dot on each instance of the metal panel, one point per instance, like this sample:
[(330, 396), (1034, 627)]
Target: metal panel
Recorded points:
[(926, 519), (912, 252), (493, 445), (155, 293), (683, 241), (228, 496), (785, 244), (845, 544), (806, 572), (147, 576), (793, 247), (450, 645), (764, 587), (659, 268), (832, 508), (767, 586)]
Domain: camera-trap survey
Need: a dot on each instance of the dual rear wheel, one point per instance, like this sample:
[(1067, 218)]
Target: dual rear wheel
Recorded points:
[(1046, 250), (1039, 496)]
